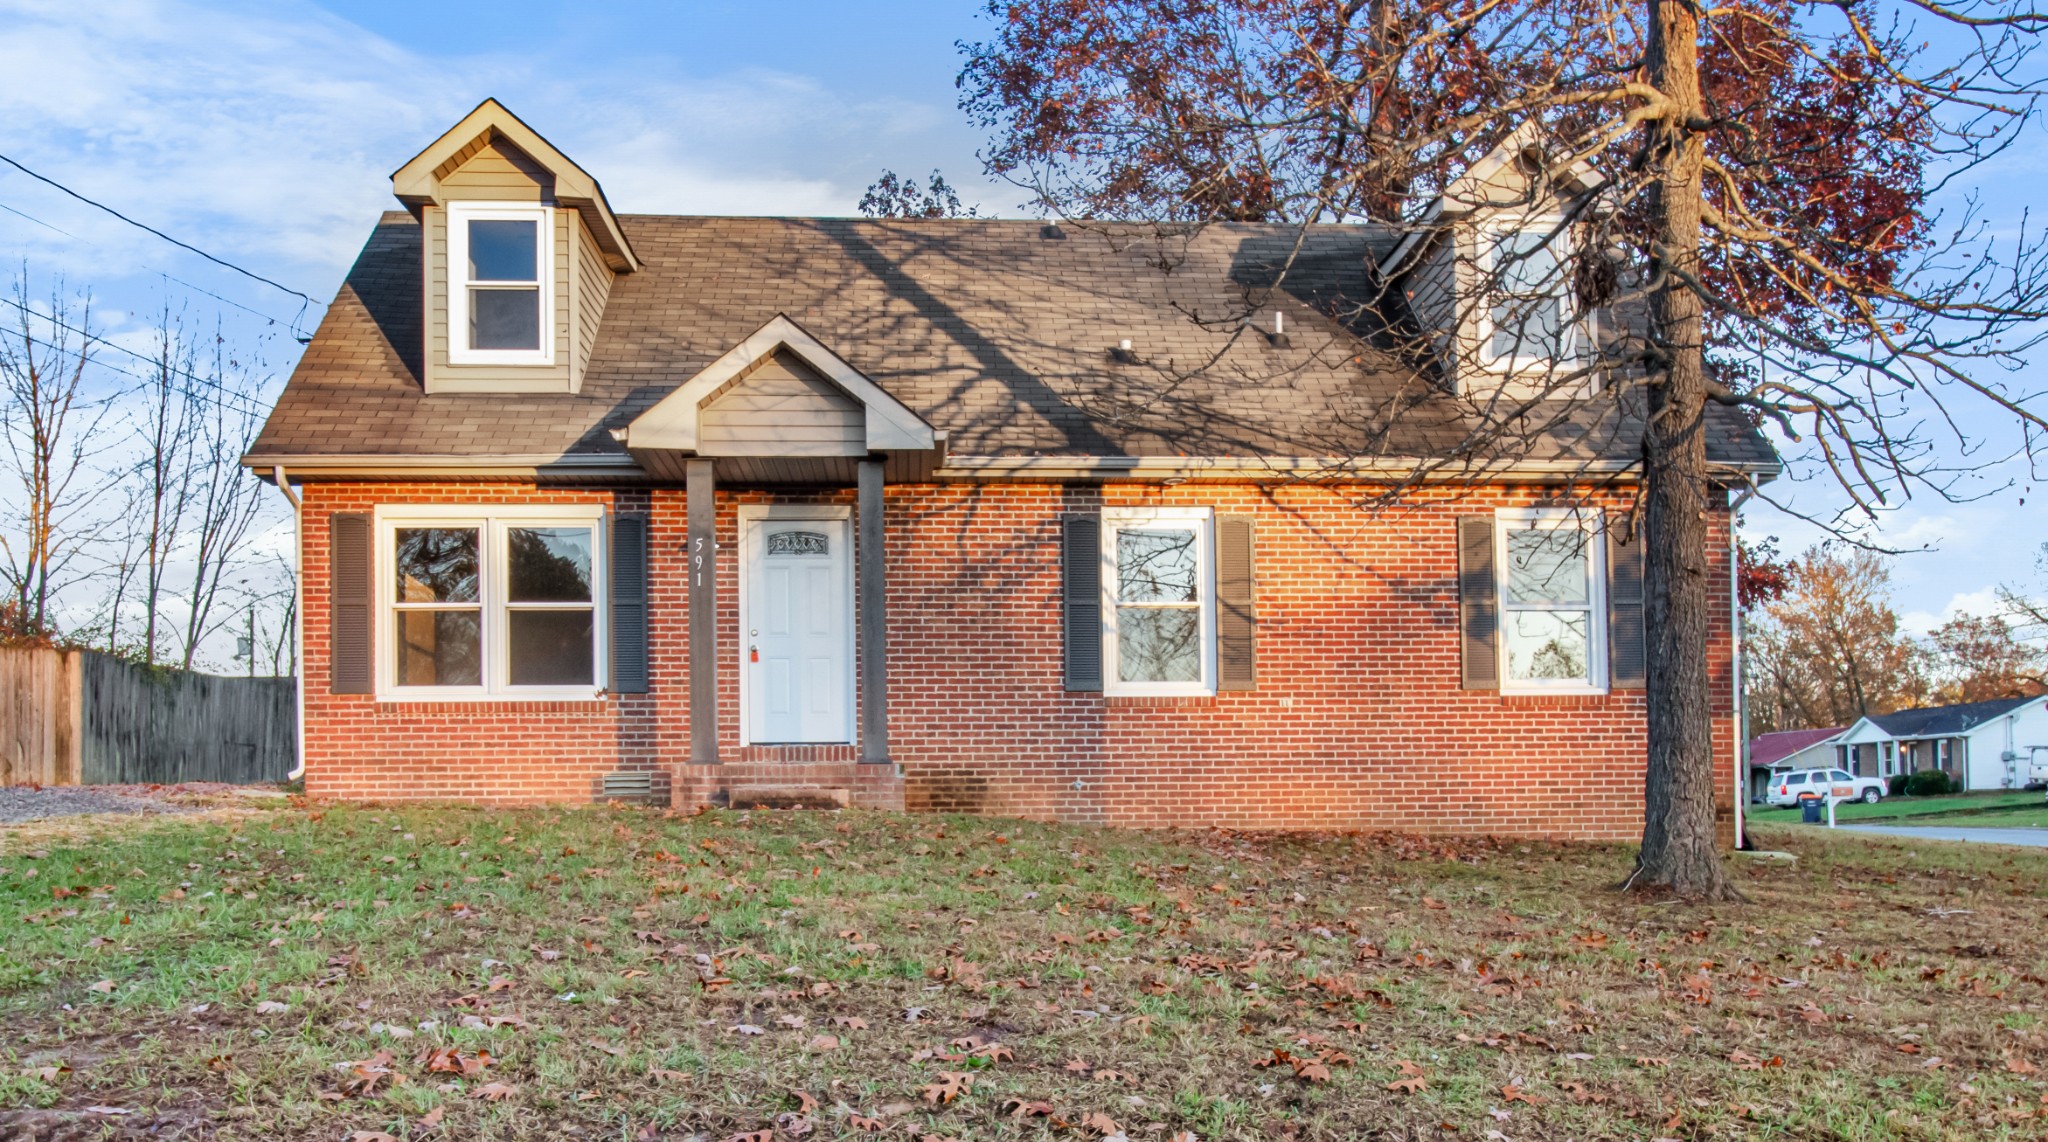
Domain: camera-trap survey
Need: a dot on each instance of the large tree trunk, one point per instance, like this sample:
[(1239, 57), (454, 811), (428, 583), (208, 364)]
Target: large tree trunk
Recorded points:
[(1679, 853)]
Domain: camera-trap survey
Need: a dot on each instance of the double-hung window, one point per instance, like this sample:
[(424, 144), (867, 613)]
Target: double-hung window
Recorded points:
[(492, 603), (1527, 320), (1158, 605), (1552, 606), (500, 284)]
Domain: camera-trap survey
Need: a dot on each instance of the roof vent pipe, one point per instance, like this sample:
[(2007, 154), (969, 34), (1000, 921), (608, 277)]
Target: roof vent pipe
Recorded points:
[(1278, 337), (1123, 354)]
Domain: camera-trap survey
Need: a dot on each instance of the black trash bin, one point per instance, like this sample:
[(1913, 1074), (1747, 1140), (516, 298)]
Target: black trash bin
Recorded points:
[(1809, 811)]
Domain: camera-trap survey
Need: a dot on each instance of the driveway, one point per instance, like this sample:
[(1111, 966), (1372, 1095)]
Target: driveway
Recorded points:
[(2032, 838)]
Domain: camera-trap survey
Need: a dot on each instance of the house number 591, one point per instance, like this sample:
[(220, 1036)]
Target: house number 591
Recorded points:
[(697, 561)]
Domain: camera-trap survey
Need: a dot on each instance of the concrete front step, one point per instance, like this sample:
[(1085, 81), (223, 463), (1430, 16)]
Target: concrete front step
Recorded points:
[(787, 785)]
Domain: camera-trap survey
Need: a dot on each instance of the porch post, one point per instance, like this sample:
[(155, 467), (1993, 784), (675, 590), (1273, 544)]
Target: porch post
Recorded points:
[(700, 491), (874, 673)]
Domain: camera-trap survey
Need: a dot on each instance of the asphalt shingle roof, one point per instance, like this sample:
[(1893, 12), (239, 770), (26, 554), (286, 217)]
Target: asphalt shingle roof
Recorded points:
[(1941, 721), (991, 330), (1771, 748)]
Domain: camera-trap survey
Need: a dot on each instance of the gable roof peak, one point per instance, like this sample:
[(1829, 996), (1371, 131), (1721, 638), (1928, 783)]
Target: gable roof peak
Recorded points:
[(418, 182), (672, 422)]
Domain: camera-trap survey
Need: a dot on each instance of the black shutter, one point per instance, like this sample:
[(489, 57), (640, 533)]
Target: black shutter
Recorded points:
[(1081, 596), (1236, 620), (629, 604), (1478, 605), (1627, 653), (349, 607)]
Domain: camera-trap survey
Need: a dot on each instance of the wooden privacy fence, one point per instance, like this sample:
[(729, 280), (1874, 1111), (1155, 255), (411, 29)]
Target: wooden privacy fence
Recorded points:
[(39, 717), (78, 717)]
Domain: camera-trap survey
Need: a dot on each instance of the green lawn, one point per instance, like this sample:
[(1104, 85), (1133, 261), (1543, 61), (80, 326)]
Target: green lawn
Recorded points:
[(1957, 809), (621, 974)]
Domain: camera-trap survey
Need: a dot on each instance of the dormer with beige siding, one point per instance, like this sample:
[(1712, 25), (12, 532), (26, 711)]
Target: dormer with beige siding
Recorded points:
[(1490, 276), (519, 252)]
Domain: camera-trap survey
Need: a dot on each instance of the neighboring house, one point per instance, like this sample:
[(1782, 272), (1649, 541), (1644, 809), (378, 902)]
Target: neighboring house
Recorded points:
[(1788, 749), (1980, 745), (919, 513)]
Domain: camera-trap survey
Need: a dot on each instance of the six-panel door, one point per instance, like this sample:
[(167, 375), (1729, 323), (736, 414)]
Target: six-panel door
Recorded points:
[(797, 646)]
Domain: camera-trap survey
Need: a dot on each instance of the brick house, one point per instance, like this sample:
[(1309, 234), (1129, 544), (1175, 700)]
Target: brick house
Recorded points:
[(933, 515)]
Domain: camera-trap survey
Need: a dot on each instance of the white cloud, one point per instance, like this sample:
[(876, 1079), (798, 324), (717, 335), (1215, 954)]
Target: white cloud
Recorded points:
[(266, 132), (1983, 601)]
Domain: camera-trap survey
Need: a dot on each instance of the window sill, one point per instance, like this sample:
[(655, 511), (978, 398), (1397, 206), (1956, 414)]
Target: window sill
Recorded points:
[(513, 698), (1569, 698), (1141, 701), (516, 360)]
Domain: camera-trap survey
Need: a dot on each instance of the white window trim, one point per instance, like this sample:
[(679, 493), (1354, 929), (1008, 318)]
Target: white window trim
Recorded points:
[(1573, 331), (1203, 522), (1596, 597), (492, 521), (751, 514), (460, 214)]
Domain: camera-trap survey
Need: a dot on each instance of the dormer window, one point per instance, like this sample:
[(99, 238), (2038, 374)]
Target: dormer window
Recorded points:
[(1526, 323), (500, 287)]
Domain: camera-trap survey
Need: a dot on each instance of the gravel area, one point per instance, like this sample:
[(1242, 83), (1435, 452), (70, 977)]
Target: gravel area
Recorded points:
[(27, 803)]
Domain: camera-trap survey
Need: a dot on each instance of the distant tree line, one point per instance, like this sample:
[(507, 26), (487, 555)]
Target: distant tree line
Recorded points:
[(1824, 646)]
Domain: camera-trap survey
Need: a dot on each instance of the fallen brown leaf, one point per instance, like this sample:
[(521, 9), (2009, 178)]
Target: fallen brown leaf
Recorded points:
[(951, 1085), (1581, 1093)]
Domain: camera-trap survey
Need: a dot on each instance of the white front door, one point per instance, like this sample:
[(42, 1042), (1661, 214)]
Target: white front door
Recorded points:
[(797, 623)]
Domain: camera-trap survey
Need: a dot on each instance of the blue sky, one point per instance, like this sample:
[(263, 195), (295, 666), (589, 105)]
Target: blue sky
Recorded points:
[(265, 132)]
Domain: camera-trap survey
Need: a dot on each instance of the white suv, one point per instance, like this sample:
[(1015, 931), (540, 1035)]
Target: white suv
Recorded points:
[(1790, 787)]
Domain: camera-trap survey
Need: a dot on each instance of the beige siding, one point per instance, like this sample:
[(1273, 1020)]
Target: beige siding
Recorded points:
[(593, 287), (496, 175), (782, 408), (1432, 291), (501, 175)]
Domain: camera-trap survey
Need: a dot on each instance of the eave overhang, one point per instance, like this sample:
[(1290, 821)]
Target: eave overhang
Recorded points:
[(592, 469)]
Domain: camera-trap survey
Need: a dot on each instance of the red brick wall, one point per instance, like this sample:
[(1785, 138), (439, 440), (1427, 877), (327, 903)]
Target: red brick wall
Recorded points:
[(1357, 721)]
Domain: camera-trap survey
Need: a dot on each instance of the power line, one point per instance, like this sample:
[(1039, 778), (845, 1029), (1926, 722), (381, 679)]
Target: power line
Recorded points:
[(291, 324), (153, 230), (138, 378), (43, 224), (252, 405), (141, 380)]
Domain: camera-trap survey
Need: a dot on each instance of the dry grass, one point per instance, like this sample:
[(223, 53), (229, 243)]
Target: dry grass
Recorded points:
[(620, 974)]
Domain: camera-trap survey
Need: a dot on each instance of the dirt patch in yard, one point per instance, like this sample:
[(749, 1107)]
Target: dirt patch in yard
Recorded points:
[(19, 803)]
